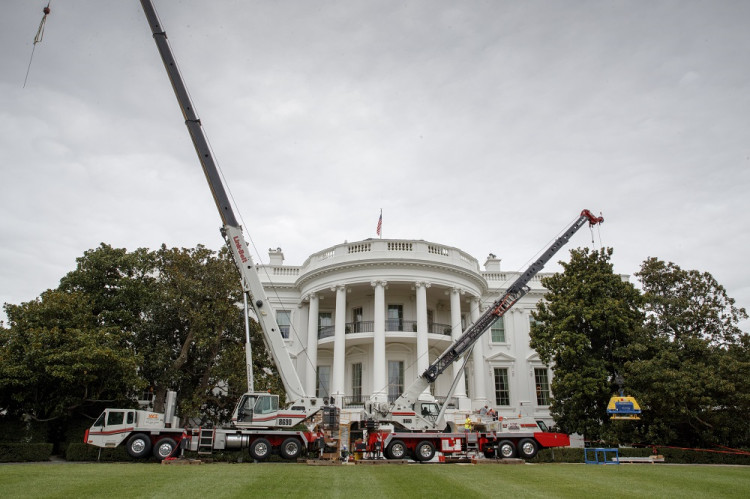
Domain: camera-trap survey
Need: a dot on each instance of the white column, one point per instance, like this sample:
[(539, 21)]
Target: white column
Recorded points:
[(312, 347), (423, 356), (477, 358), (379, 379), (456, 331), (339, 346)]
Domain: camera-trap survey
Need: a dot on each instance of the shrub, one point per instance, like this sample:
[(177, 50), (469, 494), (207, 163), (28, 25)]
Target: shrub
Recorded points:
[(17, 452)]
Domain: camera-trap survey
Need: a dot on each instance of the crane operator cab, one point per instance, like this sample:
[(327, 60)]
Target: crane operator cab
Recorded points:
[(430, 411), (259, 408)]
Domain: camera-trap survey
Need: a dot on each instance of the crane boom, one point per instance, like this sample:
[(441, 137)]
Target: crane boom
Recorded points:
[(231, 229), (514, 292), (464, 343)]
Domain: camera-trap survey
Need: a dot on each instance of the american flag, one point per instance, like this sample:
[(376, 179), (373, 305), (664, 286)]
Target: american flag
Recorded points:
[(380, 223)]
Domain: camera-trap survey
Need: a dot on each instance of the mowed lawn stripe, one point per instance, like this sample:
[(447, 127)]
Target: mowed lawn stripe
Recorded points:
[(286, 480)]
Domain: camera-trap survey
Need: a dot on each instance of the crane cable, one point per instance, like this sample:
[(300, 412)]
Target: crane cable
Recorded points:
[(38, 38)]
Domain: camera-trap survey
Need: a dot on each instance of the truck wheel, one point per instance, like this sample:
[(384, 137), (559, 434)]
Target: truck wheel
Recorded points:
[(290, 448), (138, 446), (260, 449), (506, 449), (424, 451), (164, 448), (527, 448), (397, 450)]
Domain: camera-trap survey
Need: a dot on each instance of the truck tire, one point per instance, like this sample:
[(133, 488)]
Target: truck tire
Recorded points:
[(425, 451), (260, 449), (138, 446), (164, 448), (396, 450), (527, 448), (290, 448), (506, 449)]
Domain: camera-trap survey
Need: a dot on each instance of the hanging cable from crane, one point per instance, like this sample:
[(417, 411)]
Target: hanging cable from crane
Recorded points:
[(38, 38)]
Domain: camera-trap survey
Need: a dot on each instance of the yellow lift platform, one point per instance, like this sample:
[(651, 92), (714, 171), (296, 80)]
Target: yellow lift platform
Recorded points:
[(623, 407)]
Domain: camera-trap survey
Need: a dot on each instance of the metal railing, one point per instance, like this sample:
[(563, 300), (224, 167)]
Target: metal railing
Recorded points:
[(360, 327), (436, 328), (326, 331), (391, 325), (355, 400)]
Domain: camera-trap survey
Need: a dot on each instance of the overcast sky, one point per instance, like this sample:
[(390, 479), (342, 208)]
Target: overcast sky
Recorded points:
[(485, 125)]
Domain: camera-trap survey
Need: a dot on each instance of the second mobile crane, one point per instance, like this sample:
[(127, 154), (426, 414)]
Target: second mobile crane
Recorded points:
[(419, 423)]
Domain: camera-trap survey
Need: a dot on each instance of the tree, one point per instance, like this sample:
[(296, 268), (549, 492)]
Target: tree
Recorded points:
[(194, 338), (588, 317), (691, 363), (56, 360), (124, 321)]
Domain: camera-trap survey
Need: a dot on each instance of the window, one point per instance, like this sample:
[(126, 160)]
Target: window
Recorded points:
[(395, 379), (115, 417), (395, 320), (324, 382), (541, 380), (284, 320), (131, 417), (266, 404), (430, 319), (497, 331), (357, 382), (502, 388), (357, 320)]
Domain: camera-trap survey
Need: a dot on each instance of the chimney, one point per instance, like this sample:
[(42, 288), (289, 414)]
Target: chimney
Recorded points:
[(276, 256)]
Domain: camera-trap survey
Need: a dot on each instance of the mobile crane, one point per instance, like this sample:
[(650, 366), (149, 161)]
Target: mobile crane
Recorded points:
[(258, 422), (413, 418)]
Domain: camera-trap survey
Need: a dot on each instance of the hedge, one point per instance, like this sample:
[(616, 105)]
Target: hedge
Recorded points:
[(12, 452), (19, 431)]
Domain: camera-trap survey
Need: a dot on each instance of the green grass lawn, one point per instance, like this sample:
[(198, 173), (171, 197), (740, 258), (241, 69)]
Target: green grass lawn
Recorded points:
[(293, 481)]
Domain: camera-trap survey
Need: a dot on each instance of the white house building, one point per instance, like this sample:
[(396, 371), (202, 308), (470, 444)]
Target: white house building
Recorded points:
[(366, 318)]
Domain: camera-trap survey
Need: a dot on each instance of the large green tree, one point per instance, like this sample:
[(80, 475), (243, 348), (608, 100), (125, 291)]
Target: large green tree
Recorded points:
[(57, 360), (588, 317), (121, 322), (691, 364)]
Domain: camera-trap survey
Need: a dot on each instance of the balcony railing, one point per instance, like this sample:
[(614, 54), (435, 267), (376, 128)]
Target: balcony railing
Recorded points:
[(360, 327), (355, 401), (399, 325), (436, 328), (326, 331)]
